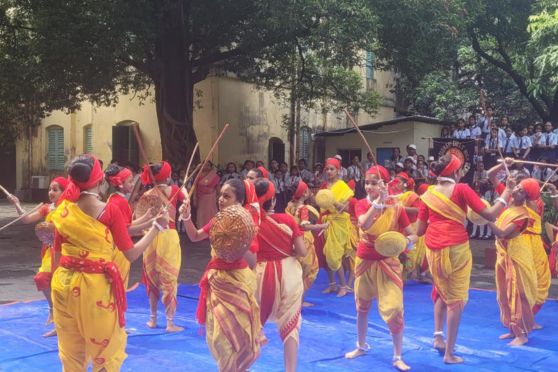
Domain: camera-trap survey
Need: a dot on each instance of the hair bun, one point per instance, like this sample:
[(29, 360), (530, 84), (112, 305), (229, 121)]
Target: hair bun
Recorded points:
[(80, 171)]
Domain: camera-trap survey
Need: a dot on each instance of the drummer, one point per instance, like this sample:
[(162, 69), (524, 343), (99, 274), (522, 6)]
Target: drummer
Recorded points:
[(379, 274)]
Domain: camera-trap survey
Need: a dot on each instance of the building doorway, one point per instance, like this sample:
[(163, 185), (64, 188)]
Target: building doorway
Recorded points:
[(276, 150), (124, 144)]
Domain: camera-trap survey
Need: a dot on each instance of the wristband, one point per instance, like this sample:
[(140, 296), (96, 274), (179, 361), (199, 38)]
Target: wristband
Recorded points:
[(187, 218), (156, 225), (554, 196), (501, 200)]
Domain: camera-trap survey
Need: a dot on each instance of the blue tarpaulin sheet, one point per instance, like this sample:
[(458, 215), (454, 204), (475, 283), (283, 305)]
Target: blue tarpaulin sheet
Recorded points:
[(328, 331)]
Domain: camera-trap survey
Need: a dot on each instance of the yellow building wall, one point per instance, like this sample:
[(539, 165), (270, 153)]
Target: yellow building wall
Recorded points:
[(254, 115)]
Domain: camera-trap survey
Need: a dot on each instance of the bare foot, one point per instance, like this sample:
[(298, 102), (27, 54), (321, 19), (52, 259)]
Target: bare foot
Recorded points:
[(401, 365), (171, 328), (518, 341), (355, 353), (342, 292), (537, 326), (50, 333), (307, 304), (263, 340), (330, 289), (439, 344), (506, 336), (453, 359), (152, 322), (49, 319)]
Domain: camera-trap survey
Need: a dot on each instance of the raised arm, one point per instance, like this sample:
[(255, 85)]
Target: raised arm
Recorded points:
[(194, 234)]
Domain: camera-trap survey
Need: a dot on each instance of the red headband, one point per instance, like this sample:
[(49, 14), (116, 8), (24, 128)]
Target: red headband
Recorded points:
[(73, 189), (409, 180), (422, 188), (251, 196), (119, 178), (334, 163), (300, 190), (452, 166), (61, 181), (531, 188), (162, 176), (378, 170), (265, 173)]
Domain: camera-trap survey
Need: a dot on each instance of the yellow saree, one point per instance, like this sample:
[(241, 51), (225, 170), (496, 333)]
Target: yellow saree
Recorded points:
[(88, 308), (516, 277), (540, 258), (338, 234)]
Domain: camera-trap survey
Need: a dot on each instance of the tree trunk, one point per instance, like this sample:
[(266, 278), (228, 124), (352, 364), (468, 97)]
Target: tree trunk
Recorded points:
[(290, 130), (174, 89)]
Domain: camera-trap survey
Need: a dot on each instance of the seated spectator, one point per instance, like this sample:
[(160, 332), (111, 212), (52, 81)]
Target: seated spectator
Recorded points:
[(230, 173), (461, 132), (248, 165), (445, 133), (522, 144)]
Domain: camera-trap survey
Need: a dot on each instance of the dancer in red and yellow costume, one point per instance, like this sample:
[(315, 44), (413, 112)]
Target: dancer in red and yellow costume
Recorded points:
[(516, 277), (43, 277), (87, 290), (278, 272), (533, 234), (339, 231), (402, 187), (161, 261), (227, 304), (205, 195), (442, 217), (123, 180), (379, 277), (302, 213)]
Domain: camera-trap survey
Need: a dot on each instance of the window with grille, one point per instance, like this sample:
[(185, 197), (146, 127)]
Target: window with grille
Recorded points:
[(55, 154), (88, 139), (304, 143)]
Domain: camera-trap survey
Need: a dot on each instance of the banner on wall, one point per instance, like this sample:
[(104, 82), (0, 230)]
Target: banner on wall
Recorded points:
[(464, 149)]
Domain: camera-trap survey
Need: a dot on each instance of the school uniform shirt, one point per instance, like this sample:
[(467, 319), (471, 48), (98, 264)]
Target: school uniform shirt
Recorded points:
[(484, 124), (461, 133), (354, 173), (507, 144), (522, 143), (476, 131), (548, 139), (492, 143)]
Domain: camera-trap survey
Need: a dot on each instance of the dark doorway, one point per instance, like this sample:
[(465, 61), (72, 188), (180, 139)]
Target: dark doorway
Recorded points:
[(276, 150), (348, 155), (124, 145), (8, 174)]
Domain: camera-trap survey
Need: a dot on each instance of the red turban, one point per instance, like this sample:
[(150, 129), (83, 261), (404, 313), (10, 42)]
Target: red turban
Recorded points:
[(163, 175), (531, 188), (381, 171), (265, 173), (269, 194), (61, 181), (300, 190), (452, 166), (334, 163), (119, 178)]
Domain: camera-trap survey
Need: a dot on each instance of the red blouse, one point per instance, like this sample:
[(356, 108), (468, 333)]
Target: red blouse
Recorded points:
[(269, 237), (441, 232), (123, 205)]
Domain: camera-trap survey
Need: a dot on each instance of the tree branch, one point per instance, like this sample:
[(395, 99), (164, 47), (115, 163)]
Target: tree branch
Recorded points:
[(508, 68)]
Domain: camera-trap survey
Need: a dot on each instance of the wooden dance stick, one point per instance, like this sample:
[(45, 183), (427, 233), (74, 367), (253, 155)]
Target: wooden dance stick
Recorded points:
[(533, 163), (364, 140), (186, 178), (549, 178), (191, 192), (8, 194), (504, 162), (22, 216)]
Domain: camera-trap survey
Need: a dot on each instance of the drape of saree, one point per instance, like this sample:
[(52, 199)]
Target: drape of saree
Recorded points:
[(206, 194), (415, 257), (516, 277), (279, 277), (44, 275), (233, 328), (88, 294), (119, 259), (540, 258), (450, 266), (161, 264), (309, 263), (340, 230), (378, 277)]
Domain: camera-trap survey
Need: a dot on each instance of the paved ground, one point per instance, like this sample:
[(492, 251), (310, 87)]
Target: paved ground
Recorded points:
[(20, 249)]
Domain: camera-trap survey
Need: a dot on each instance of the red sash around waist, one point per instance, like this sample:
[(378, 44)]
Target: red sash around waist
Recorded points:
[(214, 264), (110, 270)]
